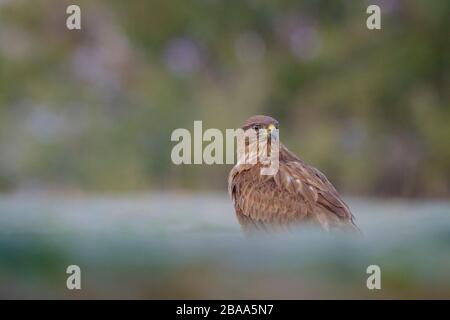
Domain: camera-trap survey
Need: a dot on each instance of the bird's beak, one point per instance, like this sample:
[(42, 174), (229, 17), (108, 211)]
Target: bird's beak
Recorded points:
[(273, 131)]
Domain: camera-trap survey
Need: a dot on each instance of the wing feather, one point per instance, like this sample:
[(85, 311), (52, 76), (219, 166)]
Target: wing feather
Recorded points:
[(297, 193)]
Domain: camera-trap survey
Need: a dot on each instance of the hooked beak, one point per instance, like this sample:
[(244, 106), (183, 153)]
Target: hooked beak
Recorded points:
[(273, 131)]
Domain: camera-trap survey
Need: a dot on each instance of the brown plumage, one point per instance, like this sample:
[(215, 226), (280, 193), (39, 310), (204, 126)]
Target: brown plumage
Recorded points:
[(296, 194)]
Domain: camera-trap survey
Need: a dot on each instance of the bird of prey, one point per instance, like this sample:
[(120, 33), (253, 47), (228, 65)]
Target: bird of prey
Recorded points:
[(296, 194)]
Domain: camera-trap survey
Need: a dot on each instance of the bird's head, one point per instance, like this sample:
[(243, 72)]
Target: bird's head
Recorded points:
[(265, 148), (265, 124)]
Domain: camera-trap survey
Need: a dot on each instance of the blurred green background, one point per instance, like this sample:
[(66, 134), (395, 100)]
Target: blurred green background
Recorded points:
[(94, 109)]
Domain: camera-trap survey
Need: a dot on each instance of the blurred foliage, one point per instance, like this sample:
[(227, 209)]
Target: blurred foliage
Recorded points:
[(94, 109), (172, 246)]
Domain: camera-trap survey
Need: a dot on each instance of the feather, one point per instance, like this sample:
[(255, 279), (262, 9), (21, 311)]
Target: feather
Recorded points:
[(296, 194)]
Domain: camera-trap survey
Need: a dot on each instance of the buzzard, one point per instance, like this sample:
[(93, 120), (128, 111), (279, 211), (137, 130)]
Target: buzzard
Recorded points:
[(296, 194)]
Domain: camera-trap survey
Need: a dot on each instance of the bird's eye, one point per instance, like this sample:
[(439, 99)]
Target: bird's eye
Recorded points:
[(256, 126)]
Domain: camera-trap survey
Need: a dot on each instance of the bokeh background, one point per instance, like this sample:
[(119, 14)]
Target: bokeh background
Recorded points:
[(85, 124), (94, 109)]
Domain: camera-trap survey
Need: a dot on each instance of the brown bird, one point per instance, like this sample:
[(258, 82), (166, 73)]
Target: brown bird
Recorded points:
[(296, 194)]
